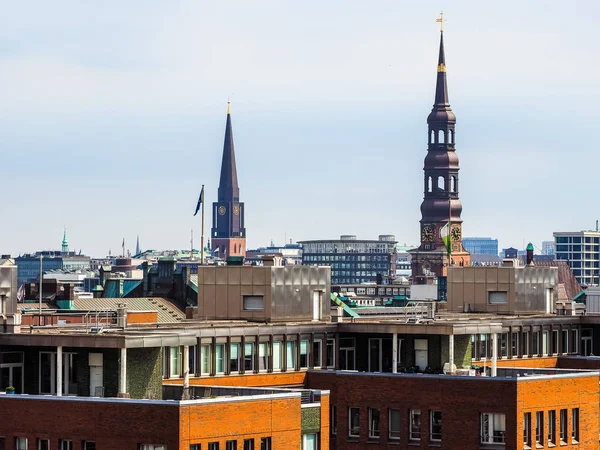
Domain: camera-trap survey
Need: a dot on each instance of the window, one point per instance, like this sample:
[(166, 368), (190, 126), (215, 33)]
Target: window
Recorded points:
[(493, 428), (265, 443), (248, 444), (234, 358), (375, 354), (20, 443), (333, 419), (220, 358), (526, 343), (43, 444), (194, 446), (309, 442), (435, 426), (213, 446), (231, 445), (545, 343), (330, 353), (65, 445), (554, 346), (563, 426), (354, 422), (290, 355), (503, 345), (497, 297), (415, 425), (89, 445), (303, 354), (514, 345), (346, 354), (249, 357), (263, 356), (536, 343), (205, 363), (539, 428), (316, 355), (277, 351), (394, 424), (174, 362), (565, 342), (552, 427), (253, 302), (574, 341), (527, 429), (152, 447), (374, 432), (575, 426)]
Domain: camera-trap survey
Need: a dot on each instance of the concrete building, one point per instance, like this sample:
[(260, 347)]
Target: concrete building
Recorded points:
[(581, 251), (481, 245), (548, 248), (353, 261)]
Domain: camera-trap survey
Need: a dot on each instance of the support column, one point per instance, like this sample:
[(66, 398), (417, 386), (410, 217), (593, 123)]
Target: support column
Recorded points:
[(123, 375), (394, 352), (451, 353), (59, 370), (494, 354), (186, 372)]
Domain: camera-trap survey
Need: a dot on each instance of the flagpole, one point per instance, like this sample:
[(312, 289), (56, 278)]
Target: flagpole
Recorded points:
[(202, 233)]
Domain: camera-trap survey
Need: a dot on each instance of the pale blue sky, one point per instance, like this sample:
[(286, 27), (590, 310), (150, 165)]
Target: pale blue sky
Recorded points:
[(112, 115)]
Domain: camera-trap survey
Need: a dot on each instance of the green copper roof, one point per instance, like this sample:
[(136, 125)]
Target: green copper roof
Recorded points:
[(529, 247)]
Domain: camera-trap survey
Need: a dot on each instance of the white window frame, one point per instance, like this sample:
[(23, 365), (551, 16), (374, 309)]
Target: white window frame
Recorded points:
[(491, 421), (394, 433), (305, 440), (277, 351), (434, 436), (205, 359), (68, 363), (234, 347), (152, 447), (213, 446), (351, 429), (374, 432), (21, 443), (177, 360), (344, 351), (39, 445), (251, 346), (263, 352), (545, 342), (306, 353), (86, 444), (222, 347), (65, 444), (290, 350), (414, 429), (265, 443)]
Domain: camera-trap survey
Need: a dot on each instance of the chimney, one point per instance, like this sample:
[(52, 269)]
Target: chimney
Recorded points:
[(122, 315), (529, 250)]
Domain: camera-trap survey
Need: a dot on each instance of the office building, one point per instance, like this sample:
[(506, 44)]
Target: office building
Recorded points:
[(481, 245), (581, 251), (548, 248)]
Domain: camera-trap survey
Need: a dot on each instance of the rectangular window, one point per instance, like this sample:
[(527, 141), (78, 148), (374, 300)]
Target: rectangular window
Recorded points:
[(331, 353), (205, 355), (20, 443), (575, 426), (220, 358), (231, 445), (152, 447), (564, 347), (253, 302), (374, 432), (554, 342), (194, 446), (435, 426), (535, 348), (309, 442), (43, 444), (526, 344), (539, 428), (375, 354), (545, 343), (263, 356), (89, 445), (493, 428), (563, 426), (290, 355), (415, 425), (503, 345), (333, 419), (174, 362), (574, 341), (552, 427), (65, 445), (514, 345), (213, 446), (527, 429), (277, 352), (316, 355), (234, 358), (353, 422), (265, 443), (303, 354), (498, 298), (394, 424), (249, 357), (248, 444)]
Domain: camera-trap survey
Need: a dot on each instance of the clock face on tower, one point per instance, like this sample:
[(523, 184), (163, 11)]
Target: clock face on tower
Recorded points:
[(456, 233), (222, 210), (236, 210), (427, 233)]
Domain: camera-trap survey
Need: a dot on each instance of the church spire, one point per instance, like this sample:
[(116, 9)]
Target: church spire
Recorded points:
[(65, 243), (441, 88), (228, 184)]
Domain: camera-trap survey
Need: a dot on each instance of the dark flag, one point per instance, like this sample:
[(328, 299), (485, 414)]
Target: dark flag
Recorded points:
[(200, 200)]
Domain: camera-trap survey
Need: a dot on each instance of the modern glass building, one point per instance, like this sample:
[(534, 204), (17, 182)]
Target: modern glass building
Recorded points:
[(481, 245), (581, 251), (354, 261)]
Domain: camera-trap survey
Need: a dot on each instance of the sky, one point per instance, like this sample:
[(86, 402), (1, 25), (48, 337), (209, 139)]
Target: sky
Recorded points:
[(112, 116)]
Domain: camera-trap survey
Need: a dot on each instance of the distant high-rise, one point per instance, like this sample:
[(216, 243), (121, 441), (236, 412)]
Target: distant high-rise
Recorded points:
[(481, 245), (228, 232), (548, 248), (581, 250)]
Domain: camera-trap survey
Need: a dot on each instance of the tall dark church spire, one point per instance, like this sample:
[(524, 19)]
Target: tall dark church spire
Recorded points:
[(441, 223), (228, 232)]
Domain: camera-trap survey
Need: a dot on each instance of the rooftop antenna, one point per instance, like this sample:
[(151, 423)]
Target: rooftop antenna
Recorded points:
[(596, 225)]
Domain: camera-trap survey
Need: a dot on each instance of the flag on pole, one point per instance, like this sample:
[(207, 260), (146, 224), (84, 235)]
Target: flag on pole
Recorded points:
[(446, 238), (200, 200)]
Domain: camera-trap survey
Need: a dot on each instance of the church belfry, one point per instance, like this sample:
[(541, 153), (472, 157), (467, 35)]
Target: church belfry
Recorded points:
[(441, 223), (228, 234)]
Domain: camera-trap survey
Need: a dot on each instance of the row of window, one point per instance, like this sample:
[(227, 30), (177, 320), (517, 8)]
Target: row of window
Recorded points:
[(249, 444), (221, 358), (551, 436), (577, 240), (345, 258), (528, 343), (374, 291), (21, 443)]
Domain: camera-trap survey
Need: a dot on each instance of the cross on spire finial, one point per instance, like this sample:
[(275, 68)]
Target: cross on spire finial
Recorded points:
[(441, 21)]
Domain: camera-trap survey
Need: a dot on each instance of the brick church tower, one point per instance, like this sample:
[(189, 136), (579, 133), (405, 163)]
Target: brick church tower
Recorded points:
[(441, 224), (228, 234)]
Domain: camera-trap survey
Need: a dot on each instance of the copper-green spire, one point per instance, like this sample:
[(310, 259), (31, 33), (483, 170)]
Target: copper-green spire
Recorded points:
[(65, 243)]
